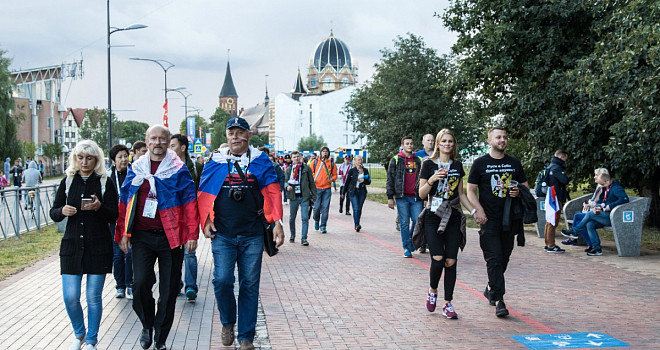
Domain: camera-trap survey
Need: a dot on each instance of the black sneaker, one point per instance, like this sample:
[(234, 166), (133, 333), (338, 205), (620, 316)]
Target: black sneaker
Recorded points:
[(340, 209), (501, 310), (291, 240), (487, 295), (348, 213), (305, 243), (554, 249), (569, 234), (595, 252), (587, 249)]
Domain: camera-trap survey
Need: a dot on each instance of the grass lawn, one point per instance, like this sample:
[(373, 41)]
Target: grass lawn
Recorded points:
[(17, 254)]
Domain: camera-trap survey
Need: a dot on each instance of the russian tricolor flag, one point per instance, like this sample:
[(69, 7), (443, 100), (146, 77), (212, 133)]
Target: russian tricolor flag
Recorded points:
[(551, 206)]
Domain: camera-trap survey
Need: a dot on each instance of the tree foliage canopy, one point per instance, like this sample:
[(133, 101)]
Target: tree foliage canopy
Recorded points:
[(9, 145), (413, 92), (579, 75), (311, 143)]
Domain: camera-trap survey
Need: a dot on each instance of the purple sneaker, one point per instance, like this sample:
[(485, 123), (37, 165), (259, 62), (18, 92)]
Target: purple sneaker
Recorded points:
[(431, 299), (448, 311), (569, 241)]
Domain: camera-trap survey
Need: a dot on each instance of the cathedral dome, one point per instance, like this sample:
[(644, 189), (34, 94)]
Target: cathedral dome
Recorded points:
[(334, 52)]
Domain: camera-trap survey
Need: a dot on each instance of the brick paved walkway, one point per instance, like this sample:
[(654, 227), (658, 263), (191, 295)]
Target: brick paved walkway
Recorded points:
[(351, 290)]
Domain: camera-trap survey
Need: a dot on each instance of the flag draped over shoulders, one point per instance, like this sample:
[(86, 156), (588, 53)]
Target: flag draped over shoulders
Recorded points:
[(551, 206), (258, 164), (174, 190)]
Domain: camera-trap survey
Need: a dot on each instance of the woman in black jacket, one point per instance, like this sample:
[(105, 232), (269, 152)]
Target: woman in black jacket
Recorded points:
[(356, 187), (89, 200), (122, 262)]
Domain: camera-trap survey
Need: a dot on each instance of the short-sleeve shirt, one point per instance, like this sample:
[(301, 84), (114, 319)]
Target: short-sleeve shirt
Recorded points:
[(492, 176), (232, 217), (144, 223), (454, 176)]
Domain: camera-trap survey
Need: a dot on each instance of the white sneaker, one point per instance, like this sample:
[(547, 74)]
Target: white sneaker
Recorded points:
[(76, 344), (120, 294), (90, 347), (129, 293)]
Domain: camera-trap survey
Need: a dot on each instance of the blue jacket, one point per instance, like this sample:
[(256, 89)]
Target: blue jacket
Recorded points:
[(616, 196)]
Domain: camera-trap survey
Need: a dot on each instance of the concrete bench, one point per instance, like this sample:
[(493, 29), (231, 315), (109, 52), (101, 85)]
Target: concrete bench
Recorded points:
[(627, 221)]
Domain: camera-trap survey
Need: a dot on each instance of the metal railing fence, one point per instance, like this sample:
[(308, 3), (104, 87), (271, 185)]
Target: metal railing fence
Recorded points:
[(25, 209)]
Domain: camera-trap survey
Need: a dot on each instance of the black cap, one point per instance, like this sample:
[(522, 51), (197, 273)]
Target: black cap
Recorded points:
[(238, 122)]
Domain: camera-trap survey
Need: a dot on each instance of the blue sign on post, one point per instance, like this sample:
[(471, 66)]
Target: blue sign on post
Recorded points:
[(568, 341), (190, 147), (198, 145), (190, 123)]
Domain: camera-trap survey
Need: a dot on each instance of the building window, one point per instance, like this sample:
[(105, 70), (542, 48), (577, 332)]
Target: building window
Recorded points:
[(328, 83), (67, 134), (312, 82), (73, 134), (310, 122), (345, 139), (70, 123), (345, 81)]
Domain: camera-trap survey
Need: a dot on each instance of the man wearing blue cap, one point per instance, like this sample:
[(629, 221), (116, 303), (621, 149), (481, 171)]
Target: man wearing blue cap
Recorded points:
[(237, 191)]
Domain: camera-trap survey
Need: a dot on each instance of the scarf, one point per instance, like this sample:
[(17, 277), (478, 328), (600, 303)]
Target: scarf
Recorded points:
[(169, 166)]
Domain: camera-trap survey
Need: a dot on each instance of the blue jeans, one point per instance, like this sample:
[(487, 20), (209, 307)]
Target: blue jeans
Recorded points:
[(293, 212), (592, 222), (122, 264), (71, 285), (190, 275), (322, 205), (283, 191), (357, 201), (246, 252), (409, 209), (583, 232)]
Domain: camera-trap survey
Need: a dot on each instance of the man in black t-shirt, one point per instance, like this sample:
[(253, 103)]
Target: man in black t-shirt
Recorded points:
[(496, 176)]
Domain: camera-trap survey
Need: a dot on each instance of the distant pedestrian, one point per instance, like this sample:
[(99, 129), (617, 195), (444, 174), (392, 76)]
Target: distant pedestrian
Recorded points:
[(586, 207), (122, 263), (7, 167), (301, 191), (139, 149), (402, 175), (557, 180), (89, 201), (428, 141), (41, 168), (17, 173), (441, 184), (356, 188), (3, 182), (325, 172), (497, 176), (342, 172), (32, 178)]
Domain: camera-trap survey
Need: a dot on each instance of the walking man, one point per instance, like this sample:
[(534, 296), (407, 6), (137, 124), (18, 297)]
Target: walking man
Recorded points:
[(237, 192), (300, 189), (325, 172), (402, 175), (179, 144), (497, 176), (342, 173), (428, 141), (558, 179), (157, 215)]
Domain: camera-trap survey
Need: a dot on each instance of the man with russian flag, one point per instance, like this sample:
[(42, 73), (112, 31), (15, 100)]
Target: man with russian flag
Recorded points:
[(237, 182), (554, 198), (157, 216)]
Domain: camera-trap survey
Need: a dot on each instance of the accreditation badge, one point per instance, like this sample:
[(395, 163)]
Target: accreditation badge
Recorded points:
[(436, 202), (150, 207), (297, 189)]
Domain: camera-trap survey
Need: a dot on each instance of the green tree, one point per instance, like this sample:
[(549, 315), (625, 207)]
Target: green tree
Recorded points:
[(579, 75), (311, 143), (218, 122), (258, 140), (131, 130), (52, 151), (411, 93), (9, 144), (27, 149), (95, 127)]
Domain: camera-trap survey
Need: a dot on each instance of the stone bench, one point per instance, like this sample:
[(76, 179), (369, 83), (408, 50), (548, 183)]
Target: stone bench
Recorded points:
[(627, 221)]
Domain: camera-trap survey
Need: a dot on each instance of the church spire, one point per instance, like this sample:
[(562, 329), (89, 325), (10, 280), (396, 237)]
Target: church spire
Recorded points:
[(228, 89), (266, 99), (298, 87)]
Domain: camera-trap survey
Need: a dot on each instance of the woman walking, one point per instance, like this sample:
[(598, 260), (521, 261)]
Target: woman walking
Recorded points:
[(89, 201), (441, 184), (356, 187), (122, 262)]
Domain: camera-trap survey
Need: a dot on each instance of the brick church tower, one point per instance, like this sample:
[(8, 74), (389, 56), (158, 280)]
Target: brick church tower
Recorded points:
[(228, 95)]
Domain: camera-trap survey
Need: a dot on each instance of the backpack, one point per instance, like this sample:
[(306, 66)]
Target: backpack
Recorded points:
[(542, 182)]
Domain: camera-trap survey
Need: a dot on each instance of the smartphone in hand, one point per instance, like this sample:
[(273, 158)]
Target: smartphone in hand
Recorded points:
[(85, 202)]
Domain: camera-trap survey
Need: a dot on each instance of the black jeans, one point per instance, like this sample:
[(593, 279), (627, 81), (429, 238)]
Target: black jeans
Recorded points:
[(344, 196), (497, 247), (148, 246)]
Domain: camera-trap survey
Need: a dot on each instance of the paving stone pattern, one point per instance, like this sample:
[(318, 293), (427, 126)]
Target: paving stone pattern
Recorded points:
[(351, 290)]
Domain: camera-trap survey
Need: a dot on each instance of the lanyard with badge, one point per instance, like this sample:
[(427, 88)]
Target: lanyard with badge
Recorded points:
[(441, 194)]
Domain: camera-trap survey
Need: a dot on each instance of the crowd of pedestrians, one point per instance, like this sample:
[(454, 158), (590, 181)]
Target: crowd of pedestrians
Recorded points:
[(151, 204)]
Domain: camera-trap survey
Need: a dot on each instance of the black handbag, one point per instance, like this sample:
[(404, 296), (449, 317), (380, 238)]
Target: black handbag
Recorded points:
[(269, 238)]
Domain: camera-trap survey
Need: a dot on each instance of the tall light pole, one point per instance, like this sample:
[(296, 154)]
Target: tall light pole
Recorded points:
[(110, 31), (165, 65), (185, 95)]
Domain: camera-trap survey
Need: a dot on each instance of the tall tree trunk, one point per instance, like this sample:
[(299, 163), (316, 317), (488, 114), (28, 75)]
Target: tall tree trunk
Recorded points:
[(651, 189)]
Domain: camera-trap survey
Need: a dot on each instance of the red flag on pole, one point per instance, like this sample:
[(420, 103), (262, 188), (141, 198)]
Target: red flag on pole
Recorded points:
[(165, 115)]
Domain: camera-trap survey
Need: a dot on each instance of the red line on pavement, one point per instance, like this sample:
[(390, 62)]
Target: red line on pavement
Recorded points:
[(530, 321)]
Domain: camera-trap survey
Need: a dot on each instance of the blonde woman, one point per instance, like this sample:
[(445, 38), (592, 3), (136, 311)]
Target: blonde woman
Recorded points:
[(441, 184), (89, 200)]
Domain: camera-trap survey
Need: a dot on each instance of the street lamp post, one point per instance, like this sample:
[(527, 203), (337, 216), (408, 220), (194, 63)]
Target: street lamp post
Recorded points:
[(110, 31), (166, 66), (185, 95)]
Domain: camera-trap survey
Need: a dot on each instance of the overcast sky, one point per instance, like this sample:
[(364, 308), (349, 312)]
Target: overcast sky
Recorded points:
[(271, 38)]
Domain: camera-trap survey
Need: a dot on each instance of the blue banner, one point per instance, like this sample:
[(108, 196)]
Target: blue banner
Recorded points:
[(190, 126)]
